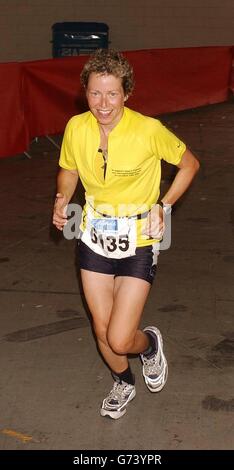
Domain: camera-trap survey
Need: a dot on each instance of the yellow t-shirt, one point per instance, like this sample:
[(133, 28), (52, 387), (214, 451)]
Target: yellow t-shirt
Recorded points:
[(133, 171)]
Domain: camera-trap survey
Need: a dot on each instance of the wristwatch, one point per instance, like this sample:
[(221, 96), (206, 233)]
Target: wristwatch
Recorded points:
[(167, 208)]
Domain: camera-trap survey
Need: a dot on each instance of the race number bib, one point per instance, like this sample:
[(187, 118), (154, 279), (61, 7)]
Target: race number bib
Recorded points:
[(112, 237)]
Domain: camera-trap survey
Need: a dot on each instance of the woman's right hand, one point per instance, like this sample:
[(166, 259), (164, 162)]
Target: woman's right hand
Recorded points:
[(60, 209)]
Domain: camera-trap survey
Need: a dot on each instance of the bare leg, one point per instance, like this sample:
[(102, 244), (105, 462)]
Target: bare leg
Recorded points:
[(116, 306), (99, 294), (130, 295)]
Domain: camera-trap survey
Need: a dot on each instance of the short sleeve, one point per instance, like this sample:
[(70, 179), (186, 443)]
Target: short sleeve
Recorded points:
[(67, 158), (166, 145)]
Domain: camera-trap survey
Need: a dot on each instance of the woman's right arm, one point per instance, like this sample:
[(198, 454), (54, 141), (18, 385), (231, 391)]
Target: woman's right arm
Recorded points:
[(66, 184)]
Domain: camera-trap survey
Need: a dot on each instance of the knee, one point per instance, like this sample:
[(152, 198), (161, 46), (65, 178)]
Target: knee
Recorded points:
[(119, 345)]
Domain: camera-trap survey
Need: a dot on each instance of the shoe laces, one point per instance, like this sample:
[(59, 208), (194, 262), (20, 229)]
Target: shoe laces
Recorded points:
[(152, 365), (119, 392)]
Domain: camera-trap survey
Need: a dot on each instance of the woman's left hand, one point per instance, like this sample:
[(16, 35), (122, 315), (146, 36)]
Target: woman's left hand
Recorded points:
[(155, 225)]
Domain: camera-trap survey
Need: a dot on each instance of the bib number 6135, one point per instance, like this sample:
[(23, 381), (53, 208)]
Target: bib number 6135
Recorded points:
[(110, 242)]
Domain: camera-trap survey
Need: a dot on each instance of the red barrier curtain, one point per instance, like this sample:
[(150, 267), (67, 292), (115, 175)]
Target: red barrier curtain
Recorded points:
[(166, 80), (13, 128), (170, 80), (38, 98), (232, 73), (52, 93)]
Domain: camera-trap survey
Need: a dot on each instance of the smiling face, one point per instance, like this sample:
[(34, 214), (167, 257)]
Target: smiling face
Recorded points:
[(106, 99)]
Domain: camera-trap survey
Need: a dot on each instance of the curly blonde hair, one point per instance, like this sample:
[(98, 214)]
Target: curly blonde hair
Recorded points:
[(110, 62)]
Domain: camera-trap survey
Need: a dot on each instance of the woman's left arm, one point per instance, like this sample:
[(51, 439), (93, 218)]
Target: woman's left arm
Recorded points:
[(188, 167)]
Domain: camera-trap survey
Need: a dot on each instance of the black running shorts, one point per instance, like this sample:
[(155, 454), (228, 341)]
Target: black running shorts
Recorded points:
[(142, 265)]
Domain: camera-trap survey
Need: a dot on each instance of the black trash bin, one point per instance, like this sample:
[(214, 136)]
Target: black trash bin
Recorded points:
[(78, 38)]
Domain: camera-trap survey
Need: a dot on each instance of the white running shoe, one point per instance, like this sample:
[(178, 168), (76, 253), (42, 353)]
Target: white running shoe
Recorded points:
[(155, 369), (114, 405)]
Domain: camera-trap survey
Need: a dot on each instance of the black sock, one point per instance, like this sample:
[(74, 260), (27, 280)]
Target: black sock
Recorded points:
[(125, 376), (153, 345)]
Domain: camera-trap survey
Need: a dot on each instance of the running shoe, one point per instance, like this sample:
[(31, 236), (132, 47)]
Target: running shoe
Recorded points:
[(155, 369), (114, 405)]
